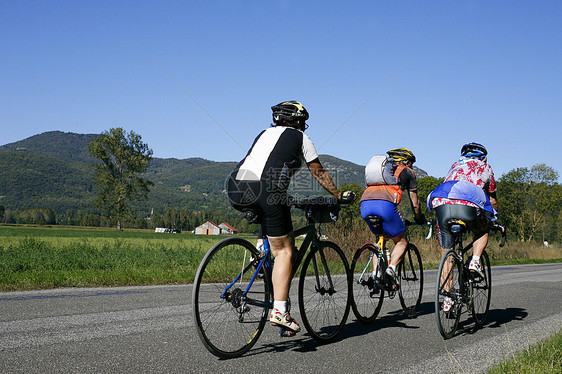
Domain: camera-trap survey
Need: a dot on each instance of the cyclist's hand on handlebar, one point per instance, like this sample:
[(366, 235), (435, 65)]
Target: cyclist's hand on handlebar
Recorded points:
[(347, 197), (420, 220)]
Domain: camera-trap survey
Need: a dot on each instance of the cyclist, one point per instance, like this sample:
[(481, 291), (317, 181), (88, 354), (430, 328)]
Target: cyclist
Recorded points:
[(468, 193), (382, 199), (259, 183)]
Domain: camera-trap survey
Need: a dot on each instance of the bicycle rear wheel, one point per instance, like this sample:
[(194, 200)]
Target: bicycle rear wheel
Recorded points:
[(367, 295), (482, 292), (227, 322), (410, 273), (324, 291), (449, 282)]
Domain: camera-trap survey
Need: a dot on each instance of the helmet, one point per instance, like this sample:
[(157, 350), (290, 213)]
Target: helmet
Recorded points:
[(474, 150), (289, 111), (402, 154)]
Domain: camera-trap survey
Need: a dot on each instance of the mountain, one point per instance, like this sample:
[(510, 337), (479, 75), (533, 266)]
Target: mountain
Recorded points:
[(53, 170)]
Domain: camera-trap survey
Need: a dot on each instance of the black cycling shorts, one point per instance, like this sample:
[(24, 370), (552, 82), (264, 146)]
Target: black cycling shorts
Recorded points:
[(272, 207), (476, 221)]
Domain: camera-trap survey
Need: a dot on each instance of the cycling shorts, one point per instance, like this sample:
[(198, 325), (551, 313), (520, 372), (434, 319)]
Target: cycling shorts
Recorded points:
[(272, 207), (392, 222), (476, 221)]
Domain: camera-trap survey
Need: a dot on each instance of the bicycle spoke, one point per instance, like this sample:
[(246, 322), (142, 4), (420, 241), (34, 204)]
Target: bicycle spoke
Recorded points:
[(367, 295), (481, 292), (324, 291), (227, 325), (410, 272), (448, 285)]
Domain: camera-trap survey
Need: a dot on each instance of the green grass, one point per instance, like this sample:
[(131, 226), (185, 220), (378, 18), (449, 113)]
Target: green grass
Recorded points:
[(544, 357), (37, 258)]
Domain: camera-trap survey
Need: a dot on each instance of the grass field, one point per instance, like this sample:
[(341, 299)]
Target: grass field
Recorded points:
[(43, 257), (53, 257)]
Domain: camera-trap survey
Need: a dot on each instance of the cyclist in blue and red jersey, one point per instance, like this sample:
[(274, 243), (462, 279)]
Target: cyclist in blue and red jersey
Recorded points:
[(260, 182), (468, 193)]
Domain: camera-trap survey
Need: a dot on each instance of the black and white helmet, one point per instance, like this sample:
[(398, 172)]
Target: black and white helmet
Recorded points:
[(289, 111)]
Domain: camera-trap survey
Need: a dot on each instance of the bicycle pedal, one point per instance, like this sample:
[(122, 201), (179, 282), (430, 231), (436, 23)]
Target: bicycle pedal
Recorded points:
[(286, 333)]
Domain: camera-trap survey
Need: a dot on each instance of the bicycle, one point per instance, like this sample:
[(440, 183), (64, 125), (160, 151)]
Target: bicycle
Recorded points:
[(233, 291), (369, 283), (454, 280)]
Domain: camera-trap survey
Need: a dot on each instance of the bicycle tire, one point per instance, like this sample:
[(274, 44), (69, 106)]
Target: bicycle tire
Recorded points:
[(482, 292), (226, 327), (410, 275), (324, 291), (366, 296), (451, 278)]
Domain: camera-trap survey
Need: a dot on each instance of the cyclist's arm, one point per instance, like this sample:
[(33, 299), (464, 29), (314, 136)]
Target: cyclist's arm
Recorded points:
[(415, 202), (493, 200), (322, 176)]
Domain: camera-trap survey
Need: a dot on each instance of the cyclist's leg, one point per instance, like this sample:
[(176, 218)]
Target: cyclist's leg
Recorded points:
[(400, 243), (278, 227), (282, 250), (479, 227), (443, 214)]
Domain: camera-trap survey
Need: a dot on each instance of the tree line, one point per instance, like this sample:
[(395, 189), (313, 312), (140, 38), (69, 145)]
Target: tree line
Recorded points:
[(530, 199)]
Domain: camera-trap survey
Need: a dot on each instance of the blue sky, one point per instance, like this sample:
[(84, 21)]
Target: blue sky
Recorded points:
[(198, 78)]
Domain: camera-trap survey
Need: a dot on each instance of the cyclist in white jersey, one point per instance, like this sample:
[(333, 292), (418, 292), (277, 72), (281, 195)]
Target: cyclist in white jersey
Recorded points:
[(260, 183)]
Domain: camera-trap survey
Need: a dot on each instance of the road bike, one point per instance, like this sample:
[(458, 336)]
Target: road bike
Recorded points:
[(233, 291), (465, 288), (368, 281)]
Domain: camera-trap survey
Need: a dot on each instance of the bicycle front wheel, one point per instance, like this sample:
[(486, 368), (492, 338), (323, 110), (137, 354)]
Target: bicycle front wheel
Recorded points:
[(449, 284), (227, 321), (482, 292), (410, 274), (324, 291), (366, 275)]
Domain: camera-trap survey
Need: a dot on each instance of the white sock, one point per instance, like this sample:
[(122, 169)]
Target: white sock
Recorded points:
[(476, 258), (281, 306), (392, 267)]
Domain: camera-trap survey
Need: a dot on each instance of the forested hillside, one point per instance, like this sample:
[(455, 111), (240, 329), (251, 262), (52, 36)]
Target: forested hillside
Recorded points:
[(53, 171), (47, 178)]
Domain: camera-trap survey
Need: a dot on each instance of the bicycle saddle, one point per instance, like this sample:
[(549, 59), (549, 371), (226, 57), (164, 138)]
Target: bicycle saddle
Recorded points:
[(457, 225), (376, 221)]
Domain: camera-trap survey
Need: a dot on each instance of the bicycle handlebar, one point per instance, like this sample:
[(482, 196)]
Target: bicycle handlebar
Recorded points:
[(497, 227), (428, 223)]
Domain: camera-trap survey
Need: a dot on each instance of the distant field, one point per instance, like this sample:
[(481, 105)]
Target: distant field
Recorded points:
[(51, 257)]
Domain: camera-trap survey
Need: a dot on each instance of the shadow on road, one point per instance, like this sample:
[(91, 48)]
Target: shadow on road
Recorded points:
[(305, 343), (496, 318)]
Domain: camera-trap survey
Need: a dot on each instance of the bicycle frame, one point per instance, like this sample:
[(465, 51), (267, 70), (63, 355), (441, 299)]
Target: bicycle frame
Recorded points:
[(266, 265), (383, 256)]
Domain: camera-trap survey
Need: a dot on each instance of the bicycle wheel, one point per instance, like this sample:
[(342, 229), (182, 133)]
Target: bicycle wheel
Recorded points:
[(482, 292), (228, 322), (449, 281), (410, 274), (367, 295), (324, 291)]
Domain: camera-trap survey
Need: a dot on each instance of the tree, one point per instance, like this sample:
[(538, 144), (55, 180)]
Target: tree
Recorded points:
[(527, 197), (123, 158), (425, 186)]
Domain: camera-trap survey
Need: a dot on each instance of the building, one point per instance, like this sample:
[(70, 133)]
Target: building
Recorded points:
[(211, 228), (227, 229), (208, 228)]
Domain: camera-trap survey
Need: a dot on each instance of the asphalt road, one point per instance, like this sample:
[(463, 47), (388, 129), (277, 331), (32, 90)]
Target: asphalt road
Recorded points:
[(150, 330)]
